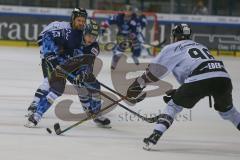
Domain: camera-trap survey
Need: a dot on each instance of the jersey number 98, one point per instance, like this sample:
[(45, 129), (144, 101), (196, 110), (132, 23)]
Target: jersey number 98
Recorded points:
[(197, 53)]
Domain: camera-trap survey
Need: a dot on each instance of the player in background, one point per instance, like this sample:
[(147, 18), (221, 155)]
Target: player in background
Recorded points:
[(127, 32), (199, 74), (76, 57), (141, 26), (78, 21)]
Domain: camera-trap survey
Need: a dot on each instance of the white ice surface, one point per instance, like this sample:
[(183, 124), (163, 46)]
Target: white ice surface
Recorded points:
[(200, 135)]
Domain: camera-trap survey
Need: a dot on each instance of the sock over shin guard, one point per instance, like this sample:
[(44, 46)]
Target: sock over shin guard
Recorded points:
[(232, 115), (167, 117)]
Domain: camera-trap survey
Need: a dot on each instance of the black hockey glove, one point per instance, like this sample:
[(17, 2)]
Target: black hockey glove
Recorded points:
[(85, 77), (169, 95), (52, 60), (135, 88)]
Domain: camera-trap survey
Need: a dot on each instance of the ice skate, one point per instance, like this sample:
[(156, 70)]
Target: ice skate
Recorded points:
[(102, 122), (33, 120), (135, 60), (151, 140), (31, 109)]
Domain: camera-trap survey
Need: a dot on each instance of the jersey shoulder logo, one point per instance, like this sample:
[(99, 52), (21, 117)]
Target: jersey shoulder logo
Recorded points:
[(95, 51)]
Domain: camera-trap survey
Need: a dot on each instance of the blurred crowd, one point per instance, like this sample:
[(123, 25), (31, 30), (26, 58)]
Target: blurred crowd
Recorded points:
[(198, 7)]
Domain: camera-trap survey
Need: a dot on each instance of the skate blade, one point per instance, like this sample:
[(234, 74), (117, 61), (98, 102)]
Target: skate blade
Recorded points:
[(148, 147), (104, 126), (30, 125), (28, 115)]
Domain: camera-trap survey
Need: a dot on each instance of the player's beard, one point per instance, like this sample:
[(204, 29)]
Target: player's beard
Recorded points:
[(78, 27)]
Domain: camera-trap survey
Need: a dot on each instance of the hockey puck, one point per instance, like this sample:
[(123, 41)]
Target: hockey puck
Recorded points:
[(49, 130)]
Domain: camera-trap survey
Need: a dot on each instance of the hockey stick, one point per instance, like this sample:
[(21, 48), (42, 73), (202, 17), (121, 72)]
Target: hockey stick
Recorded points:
[(109, 46), (149, 120), (156, 44), (136, 100), (139, 99), (59, 131), (133, 101)]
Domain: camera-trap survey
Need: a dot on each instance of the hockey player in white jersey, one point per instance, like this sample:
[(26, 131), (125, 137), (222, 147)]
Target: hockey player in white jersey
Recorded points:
[(78, 21), (199, 74)]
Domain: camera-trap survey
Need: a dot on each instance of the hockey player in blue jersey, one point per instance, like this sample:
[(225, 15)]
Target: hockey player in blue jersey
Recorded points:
[(57, 45), (77, 59), (127, 32), (78, 21), (141, 26), (85, 80)]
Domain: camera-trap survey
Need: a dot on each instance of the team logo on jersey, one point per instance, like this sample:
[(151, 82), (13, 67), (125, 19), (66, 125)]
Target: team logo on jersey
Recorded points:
[(94, 51)]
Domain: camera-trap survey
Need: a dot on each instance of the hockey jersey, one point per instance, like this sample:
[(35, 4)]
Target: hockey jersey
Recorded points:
[(189, 62), (56, 25), (125, 27), (142, 22), (53, 26), (87, 54), (62, 42)]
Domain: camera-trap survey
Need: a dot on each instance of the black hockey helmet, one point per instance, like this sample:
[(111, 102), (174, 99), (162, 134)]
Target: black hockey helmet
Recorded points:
[(79, 12), (92, 28), (181, 31)]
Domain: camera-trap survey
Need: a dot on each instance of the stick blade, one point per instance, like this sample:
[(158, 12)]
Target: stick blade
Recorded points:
[(146, 45), (109, 46), (57, 128)]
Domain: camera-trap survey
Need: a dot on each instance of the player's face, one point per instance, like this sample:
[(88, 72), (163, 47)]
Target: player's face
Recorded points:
[(79, 23), (89, 39)]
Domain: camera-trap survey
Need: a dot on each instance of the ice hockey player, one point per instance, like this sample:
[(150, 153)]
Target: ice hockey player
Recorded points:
[(80, 64), (127, 32), (199, 74), (141, 26), (78, 21), (85, 80)]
